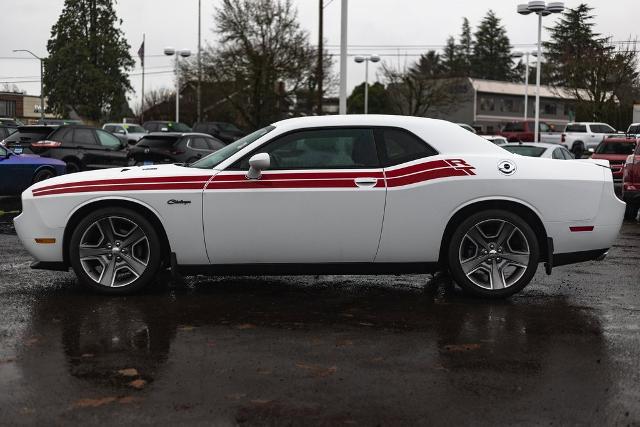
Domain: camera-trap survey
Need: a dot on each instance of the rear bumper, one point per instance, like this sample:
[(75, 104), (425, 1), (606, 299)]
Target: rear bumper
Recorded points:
[(580, 256)]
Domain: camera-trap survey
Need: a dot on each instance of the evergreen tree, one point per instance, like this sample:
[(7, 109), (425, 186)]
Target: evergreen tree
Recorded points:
[(492, 51), (597, 74), (428, 65), (86, 70), (465, 48), (451, 59), (378, 102)]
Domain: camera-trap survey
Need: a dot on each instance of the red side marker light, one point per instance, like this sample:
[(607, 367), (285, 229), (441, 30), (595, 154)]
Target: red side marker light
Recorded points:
[(576, 229)]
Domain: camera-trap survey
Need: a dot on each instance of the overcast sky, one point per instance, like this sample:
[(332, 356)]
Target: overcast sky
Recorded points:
[(400, 29)]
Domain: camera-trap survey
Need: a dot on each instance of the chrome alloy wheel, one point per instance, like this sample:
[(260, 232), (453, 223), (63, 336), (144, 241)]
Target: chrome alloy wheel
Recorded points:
[(114, 251), (494, 254)]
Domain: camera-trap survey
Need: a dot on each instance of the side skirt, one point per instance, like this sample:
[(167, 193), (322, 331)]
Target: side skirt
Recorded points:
[(582, 256), (308, 269)]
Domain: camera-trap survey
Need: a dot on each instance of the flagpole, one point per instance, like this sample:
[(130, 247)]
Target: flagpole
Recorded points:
[(142, 101)]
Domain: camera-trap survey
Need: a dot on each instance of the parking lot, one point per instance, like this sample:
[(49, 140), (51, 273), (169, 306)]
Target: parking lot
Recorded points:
[(326, 350)]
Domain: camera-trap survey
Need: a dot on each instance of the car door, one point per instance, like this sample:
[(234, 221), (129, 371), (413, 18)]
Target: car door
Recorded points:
[(112, 153), (86, 147), (321, 201)]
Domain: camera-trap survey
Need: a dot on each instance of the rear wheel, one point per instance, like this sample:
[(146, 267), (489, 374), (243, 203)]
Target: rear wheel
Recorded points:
[(43, 174), (73, 166), (493, 254), (115, 251), (631, 211)]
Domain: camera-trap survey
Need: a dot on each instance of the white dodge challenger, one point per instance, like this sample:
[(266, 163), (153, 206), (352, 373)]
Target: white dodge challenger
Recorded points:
[(329, 195)]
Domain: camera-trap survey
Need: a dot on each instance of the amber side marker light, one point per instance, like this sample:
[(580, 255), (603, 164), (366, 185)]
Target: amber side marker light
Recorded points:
[(45, 240)]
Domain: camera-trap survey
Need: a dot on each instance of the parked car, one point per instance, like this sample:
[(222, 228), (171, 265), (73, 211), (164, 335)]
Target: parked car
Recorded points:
[(634, 129), (467, 127), (616, 150), (584, 137), (20, 140), (170, 147), (80, 147), (225, 132), (19, 171), (5, 131), (165, 126), (329, 195), (59, 122), (7, 121), (540, 149), (524, 131), (496, 139), (631, 183), (128, 132)]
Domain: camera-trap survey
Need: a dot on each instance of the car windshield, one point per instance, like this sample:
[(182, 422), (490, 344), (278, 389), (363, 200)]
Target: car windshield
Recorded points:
[(525, 150), (514, 127), (134, 129), (615, 147), (214, 159), (177, 127), (28, 136)]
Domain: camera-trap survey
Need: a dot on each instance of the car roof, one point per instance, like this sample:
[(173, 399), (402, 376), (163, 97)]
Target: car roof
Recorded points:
[(588, 123), (443, 135), (176, 134)]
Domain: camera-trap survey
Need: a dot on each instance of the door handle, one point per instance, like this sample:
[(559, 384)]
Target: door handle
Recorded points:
[(366, 182)]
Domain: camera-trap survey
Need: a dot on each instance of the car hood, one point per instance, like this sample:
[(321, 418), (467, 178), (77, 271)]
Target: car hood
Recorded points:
[(34, 159), (611, 157), (123, 173)]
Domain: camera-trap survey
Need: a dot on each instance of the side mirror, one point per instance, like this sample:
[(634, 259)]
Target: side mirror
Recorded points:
[(258, 163)]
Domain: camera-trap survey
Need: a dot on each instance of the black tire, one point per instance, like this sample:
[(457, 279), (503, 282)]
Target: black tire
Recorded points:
[(492, 254), (126, 259), (73, 166), (577, 149), (631, 211), (43, 174)]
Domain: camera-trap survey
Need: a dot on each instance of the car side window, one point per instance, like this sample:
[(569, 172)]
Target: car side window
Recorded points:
[(110, 128), (198, 143), (544, 127), (337, 148), (108, 140), (214, 144), (567, 154), (3, 152), (557, 154), (401, 146)]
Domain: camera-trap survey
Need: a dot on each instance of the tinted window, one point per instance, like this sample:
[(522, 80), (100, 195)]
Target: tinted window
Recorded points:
[(62, 135), (214, 159), (544, 127), (525, 150), (615, 147), (198, 143), (214, 144), (567, 154), (576, 128), (108, 140), (157, 142), (514, 127), (3, 152), (400, 146), (321, 149), (83, 136), (634, 129), (557, 154), (109, 128), (33, 135), (602, 129)]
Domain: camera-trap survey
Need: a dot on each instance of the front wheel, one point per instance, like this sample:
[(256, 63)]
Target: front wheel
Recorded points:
[(115, 251), (493, 253), (42, 175), (577, 150)]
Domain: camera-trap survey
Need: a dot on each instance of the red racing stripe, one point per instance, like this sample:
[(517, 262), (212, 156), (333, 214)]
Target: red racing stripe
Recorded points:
[(425, 176), (124, 187), (190, 178)]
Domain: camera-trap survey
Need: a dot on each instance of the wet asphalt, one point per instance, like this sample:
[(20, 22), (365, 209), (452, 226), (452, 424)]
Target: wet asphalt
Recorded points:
[(327, 350)]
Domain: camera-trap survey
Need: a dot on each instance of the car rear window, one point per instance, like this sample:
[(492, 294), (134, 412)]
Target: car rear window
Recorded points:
[(157, 142), (576, 128), (514, 127), (29, 136), (615, 147), (634, 129), (525, 150)]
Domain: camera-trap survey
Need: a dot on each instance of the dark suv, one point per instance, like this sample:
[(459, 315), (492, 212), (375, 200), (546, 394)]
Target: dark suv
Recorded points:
[(170, 147), (81, 147), (225, 132), (165, 126)]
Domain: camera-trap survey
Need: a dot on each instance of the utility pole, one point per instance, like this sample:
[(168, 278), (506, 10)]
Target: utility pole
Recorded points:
[(320, 54), (343, 57), (199, 91)]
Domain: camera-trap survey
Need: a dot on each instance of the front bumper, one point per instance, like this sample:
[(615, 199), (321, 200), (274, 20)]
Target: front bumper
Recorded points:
[(30, 226)]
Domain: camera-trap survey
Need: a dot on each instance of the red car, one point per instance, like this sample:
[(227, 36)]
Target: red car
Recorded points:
[(616, 150), (523, 131), (631, 183)]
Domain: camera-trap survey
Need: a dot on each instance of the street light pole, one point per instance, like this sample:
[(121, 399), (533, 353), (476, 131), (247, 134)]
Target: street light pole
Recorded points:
[(366, 59), (343, 57), (199, 94), (169, 51), (540, 8), (41, 80), (526, 87)]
